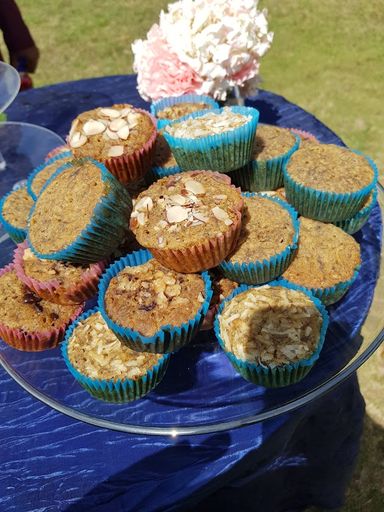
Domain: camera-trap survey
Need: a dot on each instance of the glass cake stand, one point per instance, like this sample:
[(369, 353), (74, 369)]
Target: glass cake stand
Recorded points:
[(201, 392)]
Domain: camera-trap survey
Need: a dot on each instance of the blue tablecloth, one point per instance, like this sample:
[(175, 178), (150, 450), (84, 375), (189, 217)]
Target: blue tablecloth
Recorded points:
[(53, 463)]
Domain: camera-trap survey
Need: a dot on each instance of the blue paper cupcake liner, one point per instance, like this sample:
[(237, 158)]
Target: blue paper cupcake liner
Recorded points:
[(282, 375), (353, 225), (160, 105), (260, 272), (222, 153), (41, 167), (18, 235), (156, 173), (122, 390), (107, 227), (327, 206), (168, 338), (260, 175)]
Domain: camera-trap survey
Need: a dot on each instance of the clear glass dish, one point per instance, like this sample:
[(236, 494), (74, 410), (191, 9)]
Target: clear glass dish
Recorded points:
[(9, 85), (201, 393)]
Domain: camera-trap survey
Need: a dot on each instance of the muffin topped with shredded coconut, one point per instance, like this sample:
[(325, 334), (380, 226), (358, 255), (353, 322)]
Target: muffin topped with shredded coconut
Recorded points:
[(212, 123), (270, 326), (95, 352)]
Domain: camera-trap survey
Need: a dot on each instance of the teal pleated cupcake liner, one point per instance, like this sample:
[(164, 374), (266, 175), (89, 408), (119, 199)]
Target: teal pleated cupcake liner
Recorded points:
[(354, 224), (327, 206), (168, 338), (331, 294), (41, 167), (122, 390), (160, 105), (262, 175), (108, 225), (156, 173), (260, 272), (16, 234), (224, 152), (283, 375)]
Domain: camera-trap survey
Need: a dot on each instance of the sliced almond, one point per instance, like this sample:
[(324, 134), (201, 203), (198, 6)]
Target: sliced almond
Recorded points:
[(109, 112), (117, 124), (115, 151), (220, 197), (228, 222), (123, 133), (73, 127), (200, 297), (141, 218), (178, 199), (125, 111), (195, 187), (93, 127), (219, 213), (161, 242), (162, 224), (201, 217), (77, 140), (111, 135), (176, 214), (145, 203)]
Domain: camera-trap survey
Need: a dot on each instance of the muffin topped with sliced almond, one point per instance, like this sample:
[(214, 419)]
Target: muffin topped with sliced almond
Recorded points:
[(189, 221)]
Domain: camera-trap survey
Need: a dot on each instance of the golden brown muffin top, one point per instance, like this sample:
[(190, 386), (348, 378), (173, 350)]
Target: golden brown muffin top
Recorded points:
[(16, 208), (326, 256), (181, 109), (272, 141), (148, 296), (43, 176)]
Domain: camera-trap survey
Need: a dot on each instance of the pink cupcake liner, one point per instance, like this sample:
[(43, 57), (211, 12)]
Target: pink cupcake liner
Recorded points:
[(304, 135), (34, 341), (56, 151), (128, 168), (54, 291)]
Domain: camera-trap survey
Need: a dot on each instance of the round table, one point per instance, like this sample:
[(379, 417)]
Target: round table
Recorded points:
[(51, 462)]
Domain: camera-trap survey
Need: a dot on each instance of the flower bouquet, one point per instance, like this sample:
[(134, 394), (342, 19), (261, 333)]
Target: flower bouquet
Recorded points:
[(203, 47)]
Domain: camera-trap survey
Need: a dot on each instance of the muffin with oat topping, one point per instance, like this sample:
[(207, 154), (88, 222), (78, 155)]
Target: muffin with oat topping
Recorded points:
[(106, 367), (272, 148), (272, 334), (28, 322), (57, 281), (38, 178), (327, 261), (122, 137), (150, 307), (14, 211), (219, 139), (267, 243), (190, 221), (174, 107)]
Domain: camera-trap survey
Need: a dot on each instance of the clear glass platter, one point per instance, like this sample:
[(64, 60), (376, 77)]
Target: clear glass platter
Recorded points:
[(9, 85), (201, 392)]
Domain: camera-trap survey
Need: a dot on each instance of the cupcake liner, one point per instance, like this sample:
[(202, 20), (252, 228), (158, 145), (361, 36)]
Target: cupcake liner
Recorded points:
[(278, 376), (57, 151), (156, 173), (34, 341), (159, 105), (107, 227), (304, 134), (122, 390), (56, 292), (225, 152), (18, 235), (127, 168), (327, 206), (168, 338), (355, 223), (260, 175), (41, 167), (260, 272)]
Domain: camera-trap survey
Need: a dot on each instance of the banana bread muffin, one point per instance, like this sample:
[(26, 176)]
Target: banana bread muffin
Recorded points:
[(14, 212), (41, 174)]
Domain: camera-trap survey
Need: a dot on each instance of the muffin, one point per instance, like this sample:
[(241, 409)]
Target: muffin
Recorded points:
[(57, 151), (14, 210), (38, 178), (81, 215), (273, 146), (219, 139), (272, 334), (172, 108), (327, 260), (222, 287), (57, 281), (267, 243), (304, 136), (122, 137), (106, 367), (28, 322), (164, 163), (356, 222), (190, 221), (328, 182), (152, 308)]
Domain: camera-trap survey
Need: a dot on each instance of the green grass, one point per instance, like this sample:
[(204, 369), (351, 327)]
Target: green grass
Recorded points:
[(327, 56)]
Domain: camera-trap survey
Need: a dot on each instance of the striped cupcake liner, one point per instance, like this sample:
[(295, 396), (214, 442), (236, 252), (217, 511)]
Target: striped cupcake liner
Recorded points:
[(259, 272), (107, 227), (160, 105), (224, 152), (18, 235), (355, 223), (37, 171), (168, 338), (282, 375), (261, 175), (121, 390), (327, 206)]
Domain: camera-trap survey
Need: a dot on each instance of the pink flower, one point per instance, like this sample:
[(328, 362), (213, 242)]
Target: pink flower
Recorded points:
[(160, 73)]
